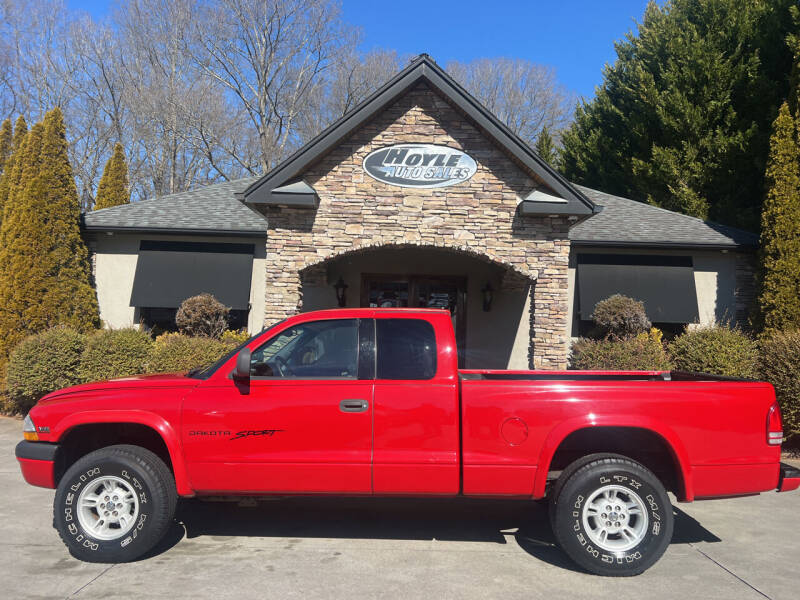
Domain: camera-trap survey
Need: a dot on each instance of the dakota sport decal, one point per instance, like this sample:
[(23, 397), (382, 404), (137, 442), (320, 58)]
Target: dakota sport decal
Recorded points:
[(235, 436), (420, 165)]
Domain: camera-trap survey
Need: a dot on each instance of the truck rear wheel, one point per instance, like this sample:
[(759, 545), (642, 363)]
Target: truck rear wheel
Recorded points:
[(612, 516), (114, 504)]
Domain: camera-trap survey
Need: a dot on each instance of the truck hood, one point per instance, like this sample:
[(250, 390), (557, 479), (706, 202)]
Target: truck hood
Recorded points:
[(161, 380)]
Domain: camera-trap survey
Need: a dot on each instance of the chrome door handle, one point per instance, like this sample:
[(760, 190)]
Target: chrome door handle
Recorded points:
[(353, 406)]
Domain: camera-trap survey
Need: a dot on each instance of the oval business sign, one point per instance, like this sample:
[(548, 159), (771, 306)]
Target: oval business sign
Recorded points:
[(420, 165)]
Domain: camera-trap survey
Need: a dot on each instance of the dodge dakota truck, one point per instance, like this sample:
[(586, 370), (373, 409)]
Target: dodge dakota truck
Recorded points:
[(371, 402)]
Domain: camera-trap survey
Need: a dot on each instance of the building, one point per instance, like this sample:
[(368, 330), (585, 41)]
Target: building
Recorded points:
[(419, 197)]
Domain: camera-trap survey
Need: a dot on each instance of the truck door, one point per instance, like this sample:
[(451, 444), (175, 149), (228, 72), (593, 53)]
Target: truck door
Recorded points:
[(304, 423), (416, 430)]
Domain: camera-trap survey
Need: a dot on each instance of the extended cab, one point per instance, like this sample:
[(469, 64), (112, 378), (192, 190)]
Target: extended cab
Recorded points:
[(371, 402)]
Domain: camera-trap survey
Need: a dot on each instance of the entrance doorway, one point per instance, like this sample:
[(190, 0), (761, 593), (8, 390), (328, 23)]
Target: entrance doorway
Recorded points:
[(420, 291)]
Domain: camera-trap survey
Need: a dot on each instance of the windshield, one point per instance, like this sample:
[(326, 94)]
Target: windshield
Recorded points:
[(205, 373)]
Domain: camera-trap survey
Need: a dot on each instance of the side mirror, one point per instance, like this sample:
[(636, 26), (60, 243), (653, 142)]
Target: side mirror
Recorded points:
[(242, 370)]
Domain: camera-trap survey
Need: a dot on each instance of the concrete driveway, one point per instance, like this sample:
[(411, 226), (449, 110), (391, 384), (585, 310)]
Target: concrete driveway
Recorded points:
[(309, 548)]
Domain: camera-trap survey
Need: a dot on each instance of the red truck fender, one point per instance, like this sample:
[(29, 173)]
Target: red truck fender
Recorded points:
[(560, 433), (140, 417)]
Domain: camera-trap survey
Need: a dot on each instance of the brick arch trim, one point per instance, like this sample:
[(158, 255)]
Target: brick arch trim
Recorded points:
[(519, 271)]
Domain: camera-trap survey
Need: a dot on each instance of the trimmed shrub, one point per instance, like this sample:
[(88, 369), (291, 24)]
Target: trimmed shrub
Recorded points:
[(176, 352), (202, 315), (42, 363), (111, 353), (234, 338), (718, 350), (621, 316), (780, 365), (643, 352)]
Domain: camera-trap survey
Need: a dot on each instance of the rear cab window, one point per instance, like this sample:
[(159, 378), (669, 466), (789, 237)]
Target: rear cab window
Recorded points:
[(406, 349)]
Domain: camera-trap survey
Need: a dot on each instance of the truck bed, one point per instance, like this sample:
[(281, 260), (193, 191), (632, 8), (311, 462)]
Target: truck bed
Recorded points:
[(514, 421)]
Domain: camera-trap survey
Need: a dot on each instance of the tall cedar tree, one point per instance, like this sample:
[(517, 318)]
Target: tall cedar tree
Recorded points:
[(780, 228), (6, 142), (113, 187), (546, 147), (779, 300), (44, 266), (683, 118), (8, 176)]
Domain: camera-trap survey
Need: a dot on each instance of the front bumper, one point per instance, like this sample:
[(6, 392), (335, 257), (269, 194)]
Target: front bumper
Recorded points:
[(789, 479), (37, 461)]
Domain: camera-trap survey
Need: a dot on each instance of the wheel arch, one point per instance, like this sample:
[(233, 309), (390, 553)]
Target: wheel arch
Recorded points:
[(106, 423), (590, 429)]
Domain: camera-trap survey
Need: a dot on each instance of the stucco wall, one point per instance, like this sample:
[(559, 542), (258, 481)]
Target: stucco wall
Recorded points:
[(115, 266), (715, 280), (477, 217)]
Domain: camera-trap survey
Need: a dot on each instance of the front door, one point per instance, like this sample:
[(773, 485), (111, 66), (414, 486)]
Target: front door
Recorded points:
[(420, 291), (304, 423)]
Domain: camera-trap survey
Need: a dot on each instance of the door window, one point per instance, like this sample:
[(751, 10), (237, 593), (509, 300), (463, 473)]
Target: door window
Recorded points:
[(316, 350), (406, 349)]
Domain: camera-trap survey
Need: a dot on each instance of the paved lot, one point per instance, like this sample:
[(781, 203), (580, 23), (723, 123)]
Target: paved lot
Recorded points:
[(308, 548)]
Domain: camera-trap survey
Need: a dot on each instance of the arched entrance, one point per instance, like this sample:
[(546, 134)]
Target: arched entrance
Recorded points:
[(488, 300)]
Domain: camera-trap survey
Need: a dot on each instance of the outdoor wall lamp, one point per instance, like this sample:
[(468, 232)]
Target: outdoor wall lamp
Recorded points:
[(341, 292), (488, 296)]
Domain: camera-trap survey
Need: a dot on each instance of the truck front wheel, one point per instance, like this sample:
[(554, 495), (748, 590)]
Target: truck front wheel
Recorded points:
[(114, 504), (612, 516)]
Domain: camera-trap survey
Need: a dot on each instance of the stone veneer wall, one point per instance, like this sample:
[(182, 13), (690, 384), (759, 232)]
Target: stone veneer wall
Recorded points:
[(478, 217)]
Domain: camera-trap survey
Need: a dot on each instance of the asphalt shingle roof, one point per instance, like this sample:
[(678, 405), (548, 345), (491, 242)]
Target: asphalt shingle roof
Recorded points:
[(213, 208), (216, 209), (627, 221)]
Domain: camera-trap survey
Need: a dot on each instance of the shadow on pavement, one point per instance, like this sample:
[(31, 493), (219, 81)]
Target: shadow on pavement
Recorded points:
[(460, 519)]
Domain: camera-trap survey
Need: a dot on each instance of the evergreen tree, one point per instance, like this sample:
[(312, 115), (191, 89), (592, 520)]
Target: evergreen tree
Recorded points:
[(780, 228), (9, 176), (113, 187), (15, 263), (44, 266), (546, 147), (779, 300), (683, 118), (6, 142)]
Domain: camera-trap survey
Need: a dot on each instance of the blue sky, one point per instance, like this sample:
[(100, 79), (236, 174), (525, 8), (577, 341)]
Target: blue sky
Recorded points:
[(576, 37)]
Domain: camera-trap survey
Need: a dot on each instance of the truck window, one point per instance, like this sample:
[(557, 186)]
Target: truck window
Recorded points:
[(316, 350), (406, 349)]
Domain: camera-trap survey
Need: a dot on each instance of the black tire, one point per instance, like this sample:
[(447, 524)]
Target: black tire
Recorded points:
[(153, 491), (567, 473), (576, 487)]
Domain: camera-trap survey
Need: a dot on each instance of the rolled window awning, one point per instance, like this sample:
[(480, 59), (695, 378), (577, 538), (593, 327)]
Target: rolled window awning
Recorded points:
[(169, 272), (665, 284)]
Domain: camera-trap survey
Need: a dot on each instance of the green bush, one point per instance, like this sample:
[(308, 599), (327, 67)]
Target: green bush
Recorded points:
[(718, 350), (780, 365), (620, 316), (42, 363), (111, 353), (234, 338), (643, 352), (202, 315), (176, 352)]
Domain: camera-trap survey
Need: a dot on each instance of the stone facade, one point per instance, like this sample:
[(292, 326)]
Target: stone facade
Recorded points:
[(478, 217)]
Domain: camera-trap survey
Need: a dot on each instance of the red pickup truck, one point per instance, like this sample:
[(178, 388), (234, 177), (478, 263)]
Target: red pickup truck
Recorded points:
[(371, 402)]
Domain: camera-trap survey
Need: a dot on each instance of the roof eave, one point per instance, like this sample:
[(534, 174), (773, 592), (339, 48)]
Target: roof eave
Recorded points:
[(538, 209), (173, 231), (663, 245)]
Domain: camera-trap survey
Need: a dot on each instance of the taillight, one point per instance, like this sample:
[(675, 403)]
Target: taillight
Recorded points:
[(774, 426)]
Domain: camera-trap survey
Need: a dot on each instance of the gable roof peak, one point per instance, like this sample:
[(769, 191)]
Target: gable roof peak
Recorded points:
[(421, 68)]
